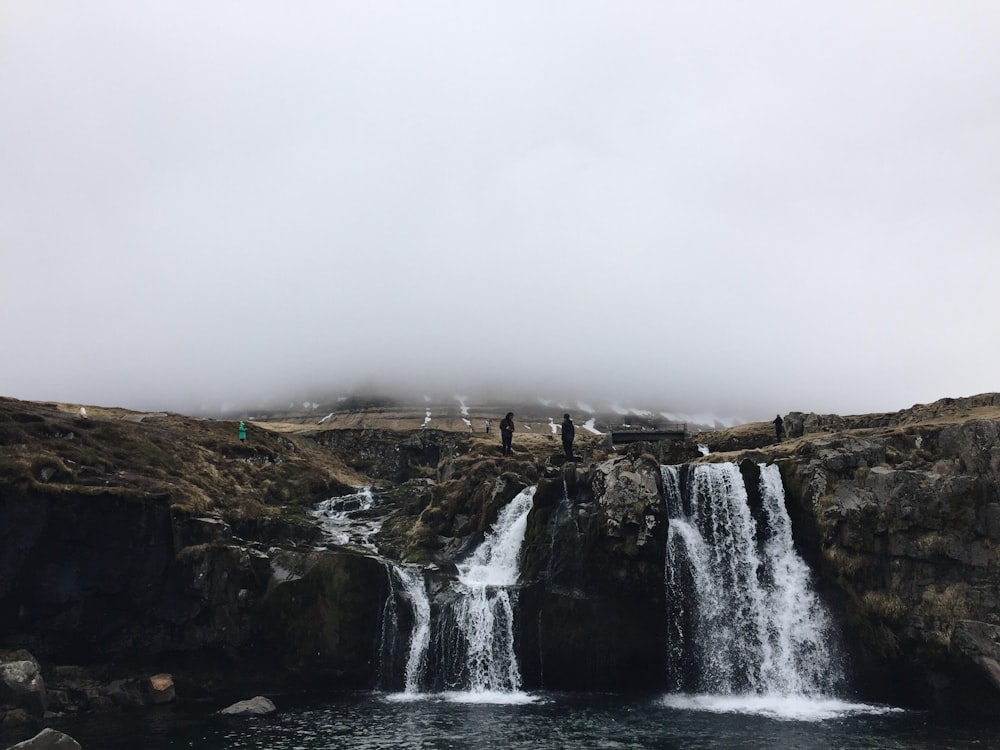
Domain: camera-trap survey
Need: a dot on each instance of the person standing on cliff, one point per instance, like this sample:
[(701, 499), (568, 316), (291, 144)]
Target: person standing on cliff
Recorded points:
[(779, 427), (568, 433), (507, 433), (243, 432)]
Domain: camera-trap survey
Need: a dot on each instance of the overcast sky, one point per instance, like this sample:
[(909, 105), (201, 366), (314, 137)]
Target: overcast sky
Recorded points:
[(741, 207)]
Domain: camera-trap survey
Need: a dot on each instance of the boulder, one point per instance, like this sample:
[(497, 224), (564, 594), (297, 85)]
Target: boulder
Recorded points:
[(979, 643), (48, 739), (160, 688), (22, 686), (128, 693), (630, 498), (258, 706)]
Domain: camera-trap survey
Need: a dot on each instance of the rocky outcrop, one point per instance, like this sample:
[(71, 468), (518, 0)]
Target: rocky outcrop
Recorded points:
[(798, 424), (904, 527), (592, 611), (387, 455), (100, 578)]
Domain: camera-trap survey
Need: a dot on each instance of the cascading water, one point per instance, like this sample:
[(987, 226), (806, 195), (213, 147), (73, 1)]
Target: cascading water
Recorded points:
[(350, 519), (470, 626), (744, 618), (414, 592), (477, 633), (355, 519)]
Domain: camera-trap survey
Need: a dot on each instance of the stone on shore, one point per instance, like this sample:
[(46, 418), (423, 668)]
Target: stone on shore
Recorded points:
[(258, 706), (48, 739)]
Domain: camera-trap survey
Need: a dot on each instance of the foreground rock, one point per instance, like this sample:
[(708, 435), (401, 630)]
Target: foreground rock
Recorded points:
[(258, 706), (48, 739), (21, 685)]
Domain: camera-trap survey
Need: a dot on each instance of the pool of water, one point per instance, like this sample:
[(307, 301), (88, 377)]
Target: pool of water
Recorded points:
[(540, 721)]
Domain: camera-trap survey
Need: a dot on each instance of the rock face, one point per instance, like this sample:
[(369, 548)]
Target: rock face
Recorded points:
[(94, 579), (905, 530), (128, 546), (593, 611)]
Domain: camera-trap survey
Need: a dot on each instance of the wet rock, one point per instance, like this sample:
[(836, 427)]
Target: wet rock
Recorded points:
[(160, 689), (979, 644), (48, 739), (258, 706), (22, 686), (902, 528), (592, 607)]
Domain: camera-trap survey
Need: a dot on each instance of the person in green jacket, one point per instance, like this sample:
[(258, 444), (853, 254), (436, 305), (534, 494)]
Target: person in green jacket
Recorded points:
[(243, 432)]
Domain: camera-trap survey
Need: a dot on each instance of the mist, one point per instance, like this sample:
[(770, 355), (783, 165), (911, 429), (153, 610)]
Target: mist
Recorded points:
[(704, 208)]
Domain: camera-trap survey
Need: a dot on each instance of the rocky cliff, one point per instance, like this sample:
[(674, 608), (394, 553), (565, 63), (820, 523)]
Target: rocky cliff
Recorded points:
[(132, 544), (898, 515)]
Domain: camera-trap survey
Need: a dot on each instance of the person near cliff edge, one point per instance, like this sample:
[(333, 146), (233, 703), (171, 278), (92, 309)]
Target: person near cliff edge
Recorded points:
[(568, 433), (243, 432), (779, 427), (507, 433)]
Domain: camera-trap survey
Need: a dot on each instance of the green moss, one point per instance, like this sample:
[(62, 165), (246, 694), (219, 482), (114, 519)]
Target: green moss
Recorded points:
[(865, 620), (333, 607)]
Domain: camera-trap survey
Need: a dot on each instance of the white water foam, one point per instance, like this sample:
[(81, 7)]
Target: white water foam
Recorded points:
[(500, 697), (491, 697), (783, 707)]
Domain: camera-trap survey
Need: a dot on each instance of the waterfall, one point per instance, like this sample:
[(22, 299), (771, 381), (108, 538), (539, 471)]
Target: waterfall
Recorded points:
[(744, 618), (477, 632), (414, 591)]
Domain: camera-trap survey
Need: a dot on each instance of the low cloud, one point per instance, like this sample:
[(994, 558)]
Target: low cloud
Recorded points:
[(712, 208)]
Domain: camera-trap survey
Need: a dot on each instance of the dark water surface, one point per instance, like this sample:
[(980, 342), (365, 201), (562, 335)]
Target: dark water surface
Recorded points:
[(546, 721)]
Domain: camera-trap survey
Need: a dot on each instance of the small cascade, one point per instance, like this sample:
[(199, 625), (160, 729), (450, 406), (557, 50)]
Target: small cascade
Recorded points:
[(415, 592), (350, 519), (476, 636), (744, 618), (462, 638)]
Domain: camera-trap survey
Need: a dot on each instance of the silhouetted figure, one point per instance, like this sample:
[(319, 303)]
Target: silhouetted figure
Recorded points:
[(568, 433), (507, 433), (779, 427), (243, 433)]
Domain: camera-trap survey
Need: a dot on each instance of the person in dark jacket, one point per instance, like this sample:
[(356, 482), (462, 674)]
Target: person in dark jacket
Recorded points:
[(507, 433), (779, 427), (568, 433)]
